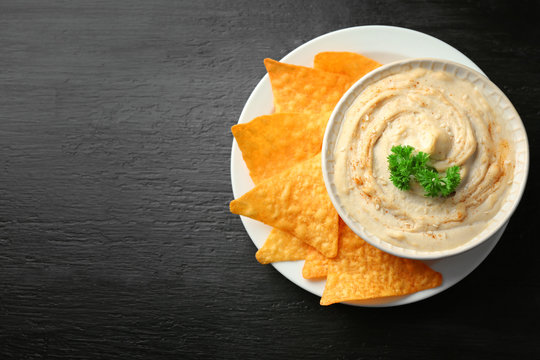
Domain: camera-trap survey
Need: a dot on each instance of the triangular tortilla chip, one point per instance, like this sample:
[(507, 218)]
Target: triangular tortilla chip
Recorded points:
[(295, 201), (316, 265), (305, 90), (281, 246), (273, 143), (361, 271), (346, 63)]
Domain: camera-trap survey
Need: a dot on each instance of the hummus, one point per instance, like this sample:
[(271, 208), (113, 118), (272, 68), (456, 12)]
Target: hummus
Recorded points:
[(444, 116)]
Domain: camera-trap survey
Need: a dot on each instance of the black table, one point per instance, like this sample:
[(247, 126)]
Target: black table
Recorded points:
[(115, 235)]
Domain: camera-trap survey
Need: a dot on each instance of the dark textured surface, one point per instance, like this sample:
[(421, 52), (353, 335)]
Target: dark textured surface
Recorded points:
[(115, 235)]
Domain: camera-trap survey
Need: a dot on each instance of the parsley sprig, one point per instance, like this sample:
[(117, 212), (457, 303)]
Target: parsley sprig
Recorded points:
[(404, 166)]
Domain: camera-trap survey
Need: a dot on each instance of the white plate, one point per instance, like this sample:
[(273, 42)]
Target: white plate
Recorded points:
[(384, 44)]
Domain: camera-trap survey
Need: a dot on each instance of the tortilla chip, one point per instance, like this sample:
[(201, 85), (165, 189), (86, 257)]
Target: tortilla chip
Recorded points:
[(305, 90), (281, 246), (346, 63), (273, 143), (316, 265), (361, 271), (295, 201)]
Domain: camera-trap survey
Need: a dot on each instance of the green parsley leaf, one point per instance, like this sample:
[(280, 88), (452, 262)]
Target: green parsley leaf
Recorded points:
[(404, 166), (401, 166), (451, 180), (429, 180)]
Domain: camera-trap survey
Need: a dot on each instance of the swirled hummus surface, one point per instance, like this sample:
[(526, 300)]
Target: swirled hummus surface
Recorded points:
[(444, 116)]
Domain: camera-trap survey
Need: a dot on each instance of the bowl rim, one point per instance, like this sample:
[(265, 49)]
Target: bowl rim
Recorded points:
[(332, 134)]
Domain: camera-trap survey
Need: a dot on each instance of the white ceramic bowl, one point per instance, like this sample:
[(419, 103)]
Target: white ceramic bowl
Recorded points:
[(500, 103)]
